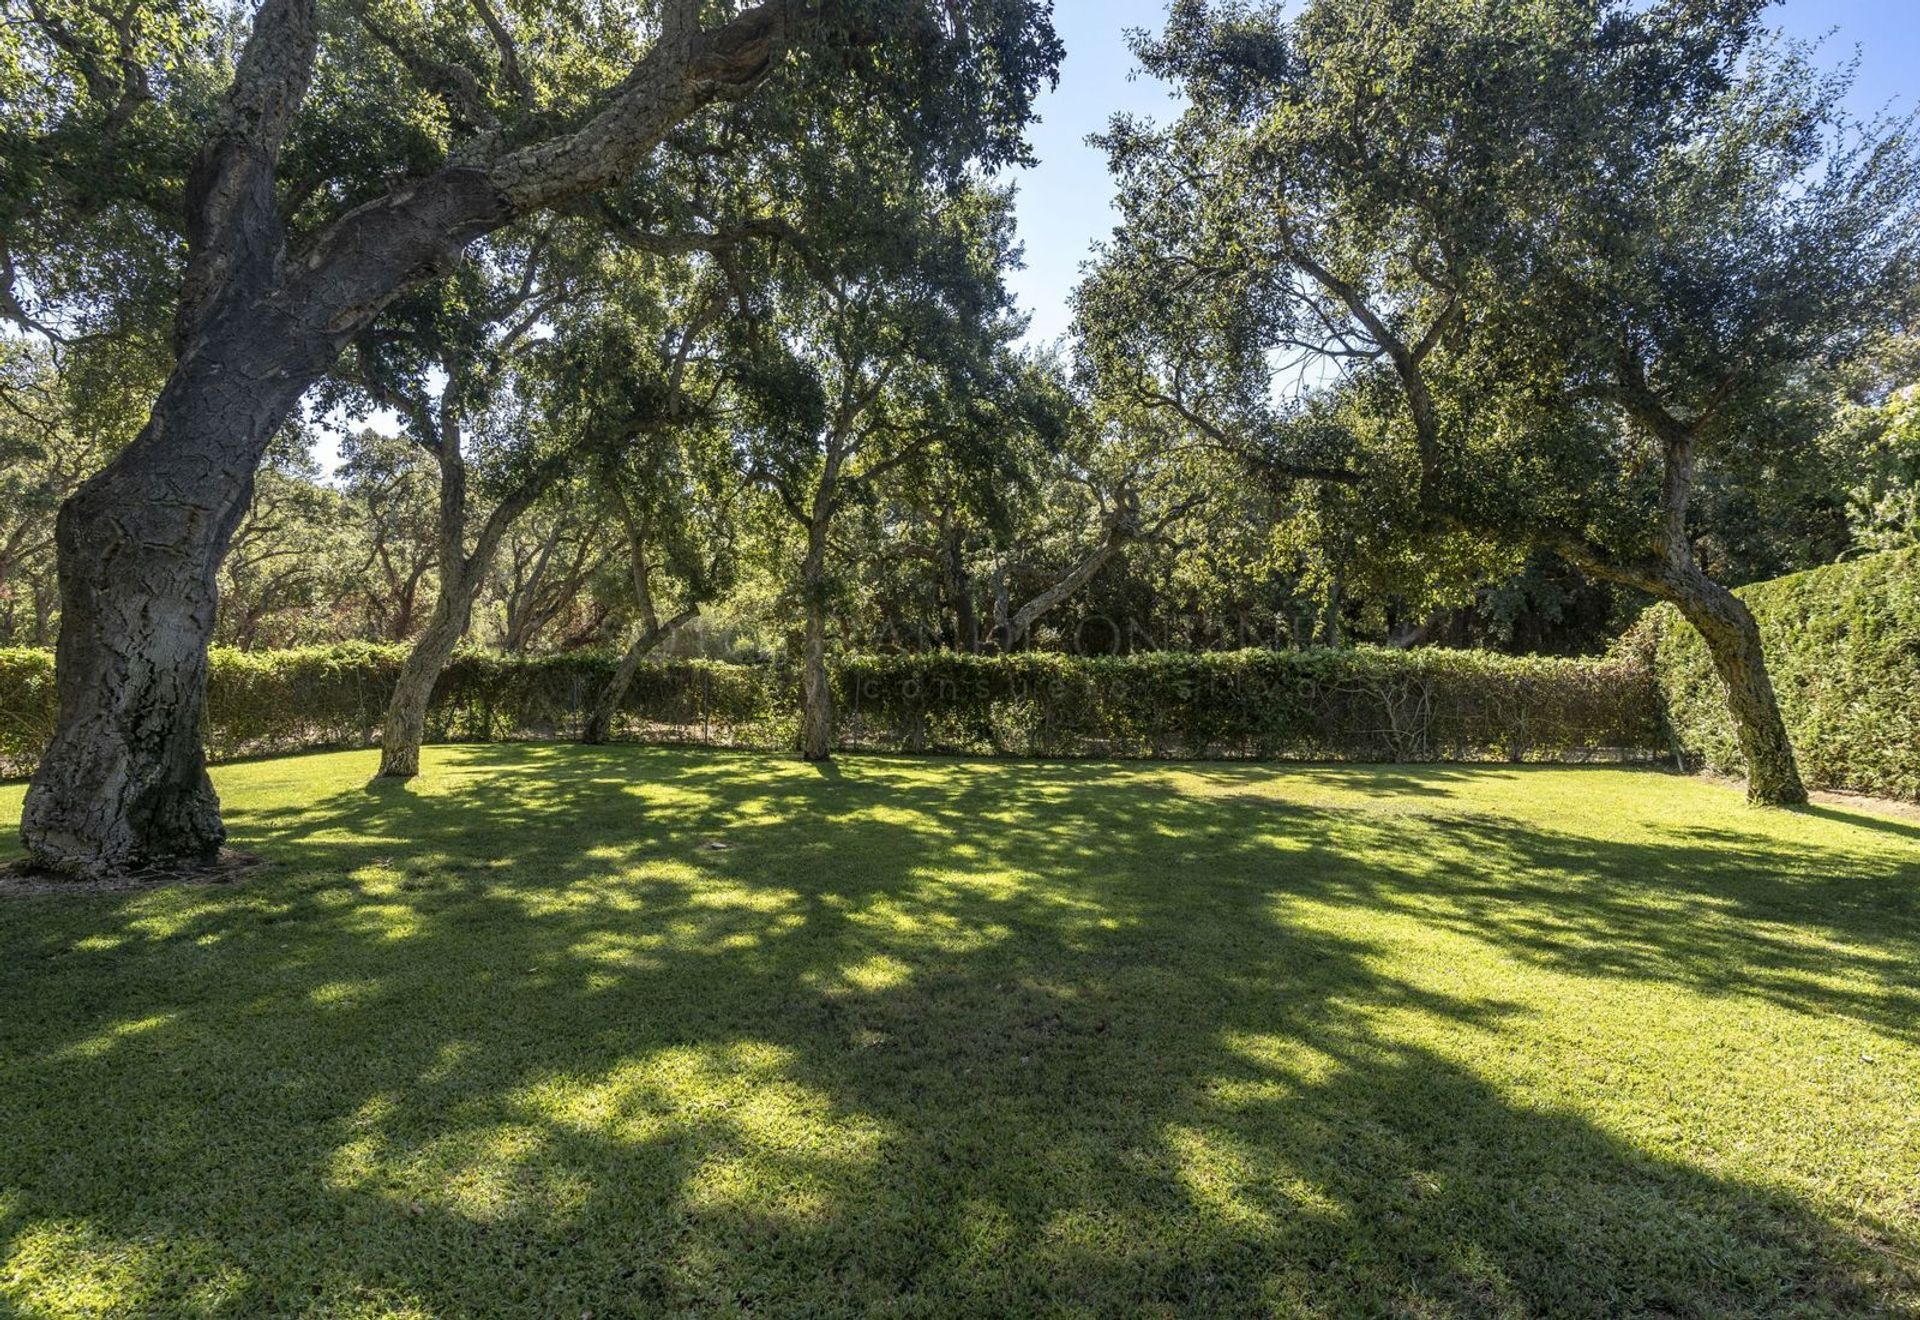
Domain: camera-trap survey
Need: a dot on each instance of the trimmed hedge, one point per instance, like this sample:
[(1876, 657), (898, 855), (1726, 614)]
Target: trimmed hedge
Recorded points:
[(1843, 646), (274, 701), (26, 708), (1364, 704), (1843, 643)]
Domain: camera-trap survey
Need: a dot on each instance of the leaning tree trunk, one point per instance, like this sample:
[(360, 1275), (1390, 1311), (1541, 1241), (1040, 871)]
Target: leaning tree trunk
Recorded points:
[(1116, 540), (1732, 638), (405, 725), (461, 577), (124, 783), (1723, 621), (599, 727)]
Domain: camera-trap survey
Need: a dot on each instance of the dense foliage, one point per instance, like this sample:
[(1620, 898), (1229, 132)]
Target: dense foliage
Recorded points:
[(1844, 642)]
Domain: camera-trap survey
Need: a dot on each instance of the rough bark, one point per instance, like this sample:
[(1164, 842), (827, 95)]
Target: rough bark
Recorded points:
[(1732, 638), (1724, 622), (124, 781), (404, 727)]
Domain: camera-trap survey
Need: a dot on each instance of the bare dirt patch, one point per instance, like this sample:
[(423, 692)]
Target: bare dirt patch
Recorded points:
[(1897, 808), (22, 879)]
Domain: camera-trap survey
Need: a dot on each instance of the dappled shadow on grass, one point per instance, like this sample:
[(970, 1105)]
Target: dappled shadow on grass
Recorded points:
[(930, 1036)]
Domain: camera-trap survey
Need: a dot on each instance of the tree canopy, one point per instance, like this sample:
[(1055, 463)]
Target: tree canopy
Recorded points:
[(1533, 266)]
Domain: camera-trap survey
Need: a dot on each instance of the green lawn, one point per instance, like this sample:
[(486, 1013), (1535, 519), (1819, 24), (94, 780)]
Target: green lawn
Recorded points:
[(937, 1037)]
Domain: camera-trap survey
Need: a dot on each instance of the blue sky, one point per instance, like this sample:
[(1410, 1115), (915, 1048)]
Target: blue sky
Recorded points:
[(1064, 201)]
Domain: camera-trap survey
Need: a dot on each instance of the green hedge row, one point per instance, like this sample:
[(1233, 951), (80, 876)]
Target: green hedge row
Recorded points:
[(1363, 704), (1843, 646), (263, 702), (1843, 643)]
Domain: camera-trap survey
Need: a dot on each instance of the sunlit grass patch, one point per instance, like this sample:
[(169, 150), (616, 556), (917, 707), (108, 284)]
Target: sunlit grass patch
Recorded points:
[(628, 1031)]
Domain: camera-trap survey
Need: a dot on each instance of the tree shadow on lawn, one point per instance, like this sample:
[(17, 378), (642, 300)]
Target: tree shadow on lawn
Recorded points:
[(948, 1037), (1898, 828)]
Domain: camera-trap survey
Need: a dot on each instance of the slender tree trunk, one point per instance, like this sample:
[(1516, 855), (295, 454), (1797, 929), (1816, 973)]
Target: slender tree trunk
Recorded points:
[(1727, 627), (1116, 540), (599, 727), (523, 602), (44, 594), (405, 725), (816, 688), (1332, 630), (1732, 638), (966, 625), (461, 577), (1002, 635)]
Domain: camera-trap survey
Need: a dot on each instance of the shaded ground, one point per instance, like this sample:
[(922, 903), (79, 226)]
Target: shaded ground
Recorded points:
[(944, 1036)]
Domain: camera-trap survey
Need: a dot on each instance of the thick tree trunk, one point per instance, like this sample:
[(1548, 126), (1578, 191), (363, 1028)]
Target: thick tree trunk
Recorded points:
[(599, 727), (123, 783), (1725, 624), (1732, 638)]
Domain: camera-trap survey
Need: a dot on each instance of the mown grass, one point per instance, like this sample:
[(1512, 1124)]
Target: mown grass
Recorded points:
[(945, 1037)]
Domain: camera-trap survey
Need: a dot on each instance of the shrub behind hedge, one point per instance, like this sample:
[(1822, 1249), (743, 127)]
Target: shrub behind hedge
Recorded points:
[(1843, 646), (1362, 705)]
